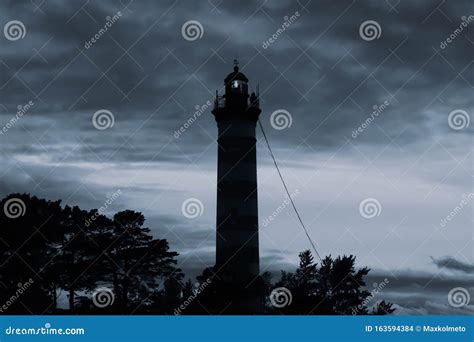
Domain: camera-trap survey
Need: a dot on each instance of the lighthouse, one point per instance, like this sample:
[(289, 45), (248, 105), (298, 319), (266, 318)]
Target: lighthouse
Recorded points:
[(237, 244)]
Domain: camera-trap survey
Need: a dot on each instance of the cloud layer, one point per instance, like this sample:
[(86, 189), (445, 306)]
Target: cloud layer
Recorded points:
[(331, 80)]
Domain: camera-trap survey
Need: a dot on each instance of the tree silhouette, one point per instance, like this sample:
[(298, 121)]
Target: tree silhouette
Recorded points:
[(188, 289), (75, 253), (48, 249), (333, 288), (133, 262), (383, 308), (63, 249), (26, 247)]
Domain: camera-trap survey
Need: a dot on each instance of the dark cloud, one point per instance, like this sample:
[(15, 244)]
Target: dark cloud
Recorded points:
[(319, 69), (165, 76), (421, 292), (451, 263)]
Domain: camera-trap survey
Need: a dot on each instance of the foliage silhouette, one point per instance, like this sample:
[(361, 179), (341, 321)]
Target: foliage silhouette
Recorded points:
[(52, 252), (62, 249), (333, 288)]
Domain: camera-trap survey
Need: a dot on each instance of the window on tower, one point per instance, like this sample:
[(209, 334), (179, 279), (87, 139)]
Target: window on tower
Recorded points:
[(239, 86)]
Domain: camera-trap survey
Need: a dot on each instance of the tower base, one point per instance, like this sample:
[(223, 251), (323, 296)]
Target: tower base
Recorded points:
[(225, 298)]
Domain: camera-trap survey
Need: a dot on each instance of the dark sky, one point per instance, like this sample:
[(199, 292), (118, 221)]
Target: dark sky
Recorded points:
[(413, 158)]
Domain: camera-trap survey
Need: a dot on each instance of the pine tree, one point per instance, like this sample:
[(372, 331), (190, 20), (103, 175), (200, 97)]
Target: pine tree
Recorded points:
[(137, 262), (333, 288)]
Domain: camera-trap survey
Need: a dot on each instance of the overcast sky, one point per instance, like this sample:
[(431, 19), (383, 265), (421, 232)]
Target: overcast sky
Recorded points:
[(413, 159)]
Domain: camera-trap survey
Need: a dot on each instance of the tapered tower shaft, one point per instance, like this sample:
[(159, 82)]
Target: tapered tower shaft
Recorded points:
[(237, 248)]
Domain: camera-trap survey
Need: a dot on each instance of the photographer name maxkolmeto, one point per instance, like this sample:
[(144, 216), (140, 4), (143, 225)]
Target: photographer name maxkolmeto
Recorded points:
[(446, 328)]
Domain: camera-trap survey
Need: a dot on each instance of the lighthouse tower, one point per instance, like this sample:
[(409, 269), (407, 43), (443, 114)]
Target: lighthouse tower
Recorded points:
[(237, 248)]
